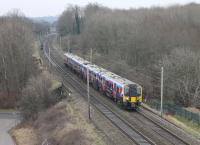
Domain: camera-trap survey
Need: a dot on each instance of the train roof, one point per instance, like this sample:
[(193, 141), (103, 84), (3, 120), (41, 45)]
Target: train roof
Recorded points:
[(100, 71), (78, 59)]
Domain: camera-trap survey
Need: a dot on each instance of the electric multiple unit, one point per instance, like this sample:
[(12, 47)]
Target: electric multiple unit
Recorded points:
[(123, 91)]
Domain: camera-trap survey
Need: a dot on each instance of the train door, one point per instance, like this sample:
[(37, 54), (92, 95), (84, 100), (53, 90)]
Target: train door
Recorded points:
[(98, 78), (108, 88), (111, 89), (119, 95), (114, 90), (103, 83), (95, 81), (119, 92)]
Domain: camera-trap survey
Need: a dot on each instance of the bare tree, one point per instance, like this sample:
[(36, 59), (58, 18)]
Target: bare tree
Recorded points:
[(142, 38), (182, 74), (16, 43)]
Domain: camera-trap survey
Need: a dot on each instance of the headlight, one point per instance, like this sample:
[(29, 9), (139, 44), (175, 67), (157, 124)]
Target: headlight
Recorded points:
[(127, 98)]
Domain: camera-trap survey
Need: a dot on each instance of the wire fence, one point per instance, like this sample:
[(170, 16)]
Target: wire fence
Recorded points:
[(174, 110)]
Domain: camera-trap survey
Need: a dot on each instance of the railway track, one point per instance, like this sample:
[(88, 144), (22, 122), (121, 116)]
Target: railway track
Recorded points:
[(136, 136), (136, 125)]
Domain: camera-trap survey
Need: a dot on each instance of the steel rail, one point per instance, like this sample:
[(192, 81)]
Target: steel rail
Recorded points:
[(136, 136), (107, 112)]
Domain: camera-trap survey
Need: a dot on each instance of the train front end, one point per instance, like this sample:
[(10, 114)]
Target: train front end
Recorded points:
[(132, 98)]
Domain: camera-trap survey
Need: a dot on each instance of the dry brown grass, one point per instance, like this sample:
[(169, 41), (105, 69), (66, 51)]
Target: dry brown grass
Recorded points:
[(25, 136), (58, 126), (62, 124)]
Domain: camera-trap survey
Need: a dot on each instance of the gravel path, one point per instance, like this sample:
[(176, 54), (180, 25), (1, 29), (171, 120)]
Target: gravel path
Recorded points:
[(7, 121)]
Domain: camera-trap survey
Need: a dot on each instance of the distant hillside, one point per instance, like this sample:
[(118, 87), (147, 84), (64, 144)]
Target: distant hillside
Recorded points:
[(49, 19)]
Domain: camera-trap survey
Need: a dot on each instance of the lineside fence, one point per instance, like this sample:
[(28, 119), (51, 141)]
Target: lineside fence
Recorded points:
[(173, 110)]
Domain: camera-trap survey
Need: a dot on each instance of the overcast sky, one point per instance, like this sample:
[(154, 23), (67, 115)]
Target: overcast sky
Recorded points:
[(36, 8)]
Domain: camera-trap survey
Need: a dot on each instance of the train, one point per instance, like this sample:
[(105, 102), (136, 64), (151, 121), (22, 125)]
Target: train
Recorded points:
[(123, 91)]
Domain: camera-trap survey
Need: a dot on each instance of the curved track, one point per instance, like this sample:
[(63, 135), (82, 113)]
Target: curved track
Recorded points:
[(136, 125), (137, 137)]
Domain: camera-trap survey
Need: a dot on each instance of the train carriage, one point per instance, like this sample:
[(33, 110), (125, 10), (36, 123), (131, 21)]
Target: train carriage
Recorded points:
[(123, 91)]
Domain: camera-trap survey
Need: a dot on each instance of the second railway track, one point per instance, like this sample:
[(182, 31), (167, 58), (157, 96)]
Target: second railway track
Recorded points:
[(136, 136), (139, 128)]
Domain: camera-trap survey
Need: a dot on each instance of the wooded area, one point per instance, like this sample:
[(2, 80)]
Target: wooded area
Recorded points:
[(135, 43), (16, 65), (18, 36)]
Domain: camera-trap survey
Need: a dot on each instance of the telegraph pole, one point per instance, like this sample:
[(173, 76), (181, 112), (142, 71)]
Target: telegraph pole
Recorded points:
[(161, 93), (88, 86)]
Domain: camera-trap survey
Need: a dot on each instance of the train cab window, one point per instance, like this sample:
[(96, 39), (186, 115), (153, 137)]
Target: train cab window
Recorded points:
[(139, 91), (132, 90)]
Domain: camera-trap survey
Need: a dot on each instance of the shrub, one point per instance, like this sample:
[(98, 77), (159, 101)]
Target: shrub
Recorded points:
[(37, 96)]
